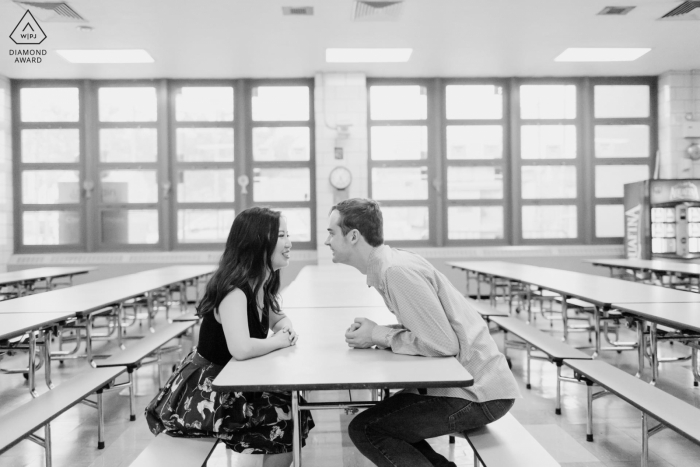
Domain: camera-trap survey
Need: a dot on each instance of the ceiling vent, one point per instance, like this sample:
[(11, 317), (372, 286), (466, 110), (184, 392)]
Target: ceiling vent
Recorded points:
[(57, 12), (616, 10), (298, 10), (689, 11), (377, 11)]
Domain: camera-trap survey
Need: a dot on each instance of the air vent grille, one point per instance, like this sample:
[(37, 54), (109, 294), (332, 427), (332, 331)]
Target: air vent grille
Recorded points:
[(616, 10), (685, 11), (298, 10), (377, 11), (52, 11)]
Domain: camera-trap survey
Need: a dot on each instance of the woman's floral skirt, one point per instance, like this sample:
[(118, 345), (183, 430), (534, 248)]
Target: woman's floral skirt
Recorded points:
[(248, 422)]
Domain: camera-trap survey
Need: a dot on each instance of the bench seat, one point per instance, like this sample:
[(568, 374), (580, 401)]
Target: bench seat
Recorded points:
[(555, 350), (23, 421), (190, 316), (175, 452), (134, 354), (506, 443), (486, 310), (662, 406)]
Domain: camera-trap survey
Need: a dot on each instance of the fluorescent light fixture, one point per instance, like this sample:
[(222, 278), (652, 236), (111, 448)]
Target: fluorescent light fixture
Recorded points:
[(601, 54), (106, 56), (368, 55)]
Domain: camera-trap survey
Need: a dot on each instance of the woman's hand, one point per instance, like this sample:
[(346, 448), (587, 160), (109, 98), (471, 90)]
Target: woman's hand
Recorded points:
[(293, 336), (281, 339)]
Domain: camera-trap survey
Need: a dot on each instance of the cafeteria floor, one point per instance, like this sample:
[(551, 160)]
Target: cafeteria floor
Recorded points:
[(616, 424)]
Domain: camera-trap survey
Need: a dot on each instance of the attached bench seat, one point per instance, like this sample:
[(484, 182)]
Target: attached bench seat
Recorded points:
[(175, 452), (150, 346), (506, 443), (485, 310), (670, 411), (190, 316), (23, 421), (555, 350)]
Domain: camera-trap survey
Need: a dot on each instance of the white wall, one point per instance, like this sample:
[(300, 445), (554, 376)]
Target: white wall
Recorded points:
[(6, 231), (679, 97)]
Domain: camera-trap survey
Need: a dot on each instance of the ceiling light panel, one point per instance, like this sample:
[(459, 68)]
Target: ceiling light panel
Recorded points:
[(106, 56), (370, 55), (601, 54)]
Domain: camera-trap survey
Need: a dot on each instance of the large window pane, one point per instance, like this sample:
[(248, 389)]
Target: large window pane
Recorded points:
[(275, 184), (285, 103), (613, 101), (204, 225), (50, 227), (548, 181), (128, 186), (548, 142), (609, 220), (400, 183), (474, 183), (204, 144), (137, 226), (478, 101), (549, 222), (204, 104), (202, 186), (50, 187), (610, 179), (475, 142), (128, 145), (475, 222), (548, 101), (298, 224), (49, 104), (281, 144), (405, 223), (398, 103), (399, 142), (56, 146), (621, 141), (127, 104)]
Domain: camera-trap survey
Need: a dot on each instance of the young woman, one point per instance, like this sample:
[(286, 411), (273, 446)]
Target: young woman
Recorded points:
[(238, 309)]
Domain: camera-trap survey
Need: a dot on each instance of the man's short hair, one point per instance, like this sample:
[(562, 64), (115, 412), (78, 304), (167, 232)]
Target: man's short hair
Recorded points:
[(365, 216)]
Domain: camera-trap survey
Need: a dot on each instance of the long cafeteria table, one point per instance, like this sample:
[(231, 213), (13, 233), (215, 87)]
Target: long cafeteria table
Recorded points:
[(83, 300), (602, 292), (321, 360), (658, 267), (17, 324), (25, 279), (330, 287), (684, 318)]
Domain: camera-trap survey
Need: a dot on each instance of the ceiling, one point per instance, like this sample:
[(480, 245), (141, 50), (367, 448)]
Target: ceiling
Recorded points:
[(450, 38)]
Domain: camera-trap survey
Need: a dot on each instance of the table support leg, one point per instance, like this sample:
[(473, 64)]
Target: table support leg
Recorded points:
[(478, 286), (654, 354), (30, 369), (47, 358), (596, 323), (641, 325), (296, 421), (565, 316)]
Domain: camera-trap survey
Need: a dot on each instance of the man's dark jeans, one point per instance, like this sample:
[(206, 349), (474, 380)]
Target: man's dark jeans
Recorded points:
[(393, 433)]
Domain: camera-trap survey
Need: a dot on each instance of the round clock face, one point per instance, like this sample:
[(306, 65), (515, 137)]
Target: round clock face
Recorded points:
[(340, 177)]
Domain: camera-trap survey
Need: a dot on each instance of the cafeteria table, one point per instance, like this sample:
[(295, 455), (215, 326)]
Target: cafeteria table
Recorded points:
[(330, 287), (24, 280), (686, 272), (322, 360), (600, 291)]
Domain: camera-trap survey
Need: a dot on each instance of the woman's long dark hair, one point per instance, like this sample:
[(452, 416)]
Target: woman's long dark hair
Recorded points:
[(248, 254)]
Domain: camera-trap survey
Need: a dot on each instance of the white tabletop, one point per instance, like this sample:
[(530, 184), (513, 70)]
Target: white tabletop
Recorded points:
[(330, 287), (680, 316), (649, 265), (89, 297), (16, 324), (34, 274), (322, 360), (599, 290)]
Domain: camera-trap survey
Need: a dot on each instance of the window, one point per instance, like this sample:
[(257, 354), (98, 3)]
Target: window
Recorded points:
[(508, 161), (400, 165), (159, 165)]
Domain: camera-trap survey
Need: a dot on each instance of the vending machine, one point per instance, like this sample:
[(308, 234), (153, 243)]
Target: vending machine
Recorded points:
[(662, 219)]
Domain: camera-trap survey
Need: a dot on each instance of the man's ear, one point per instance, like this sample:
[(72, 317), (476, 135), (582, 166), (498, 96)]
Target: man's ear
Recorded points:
[(355, 236)]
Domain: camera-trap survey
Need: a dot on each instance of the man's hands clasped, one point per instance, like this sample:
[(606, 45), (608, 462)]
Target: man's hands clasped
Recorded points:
[(359, 334)]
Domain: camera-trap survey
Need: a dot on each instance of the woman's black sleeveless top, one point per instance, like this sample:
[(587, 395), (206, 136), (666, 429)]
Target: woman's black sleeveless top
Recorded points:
[(212, 341)]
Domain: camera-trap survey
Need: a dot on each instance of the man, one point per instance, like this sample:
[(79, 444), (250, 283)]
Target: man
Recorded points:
[(435, 320)]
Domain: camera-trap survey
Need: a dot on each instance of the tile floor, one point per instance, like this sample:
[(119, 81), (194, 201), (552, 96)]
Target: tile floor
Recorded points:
[(617, 426)]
